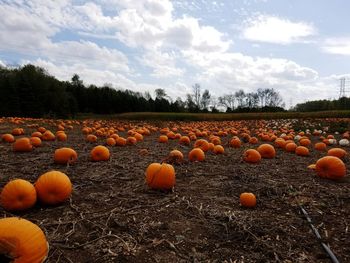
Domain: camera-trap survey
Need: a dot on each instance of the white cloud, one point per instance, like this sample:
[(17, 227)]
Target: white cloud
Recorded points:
[(273, 29), (339, 46)]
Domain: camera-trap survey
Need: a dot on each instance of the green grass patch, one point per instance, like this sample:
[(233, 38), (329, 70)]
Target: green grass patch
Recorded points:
[(174, 116)]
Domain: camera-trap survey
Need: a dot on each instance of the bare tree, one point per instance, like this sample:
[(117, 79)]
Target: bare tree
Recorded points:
[(227, 100), (197, 94), (205, 100), (240, 95), (251, 100)]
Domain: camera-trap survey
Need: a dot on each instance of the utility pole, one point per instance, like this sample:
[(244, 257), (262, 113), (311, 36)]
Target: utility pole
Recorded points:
[(344, 84)]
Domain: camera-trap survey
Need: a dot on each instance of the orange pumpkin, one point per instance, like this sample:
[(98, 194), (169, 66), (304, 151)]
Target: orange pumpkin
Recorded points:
[(330, 167), (253, 140), (8, 138), (22, 145), (320, 146), (290, 147), (337, 152), (120, 141), (91, 138), (62, 137), (18, 195), (53, 187), (65, 155), (175, 156), (235, 142), (218, 149), (21, 241), (304, 142), (35, 141), (267, 151), (202, 144), (110, 141), (100, 153), (185, 140), (163, 139), (302, 151), (196, 154), (247, 200), (48, 136), (160, 176), (251, 156), (131, 140)]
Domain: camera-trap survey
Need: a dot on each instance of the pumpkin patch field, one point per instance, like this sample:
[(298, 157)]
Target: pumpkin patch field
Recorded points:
[(160, 191)]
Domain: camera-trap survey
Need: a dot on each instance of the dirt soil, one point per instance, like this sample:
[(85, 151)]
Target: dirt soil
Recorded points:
[(113, 216)]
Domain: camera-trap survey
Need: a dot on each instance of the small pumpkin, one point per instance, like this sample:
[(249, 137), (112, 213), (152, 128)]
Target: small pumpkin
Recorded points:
[(196, 154), (185, 140), (100, 153), (160, 176), (302, 151), (21, 241), (62, 137), (8, 138), (251, 156), (247, 200), (235, 142), (48, 136), (18, 195), (202, 144), (320, 146), (65, 155), (91, 138), (344, 142), (110, 141), (218, 149), (53, 187), (330, 167), (120, 141), (266, 151), (175, 156), (163, 139), (290, 147), (131, 140), (35, 141)]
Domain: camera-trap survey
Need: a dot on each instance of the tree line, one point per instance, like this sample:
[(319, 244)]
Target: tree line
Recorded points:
[(29, 91), (324, 105)]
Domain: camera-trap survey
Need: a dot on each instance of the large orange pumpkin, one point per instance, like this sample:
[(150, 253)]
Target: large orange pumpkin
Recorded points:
[(330, 167), (267, 151), (65, 155), (53, 187), (21, 241), (22, 145), (18, 195), (337, 152), (251, 156), (160, 176)]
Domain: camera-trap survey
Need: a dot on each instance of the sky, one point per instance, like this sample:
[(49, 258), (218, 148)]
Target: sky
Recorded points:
[(301, 48)]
